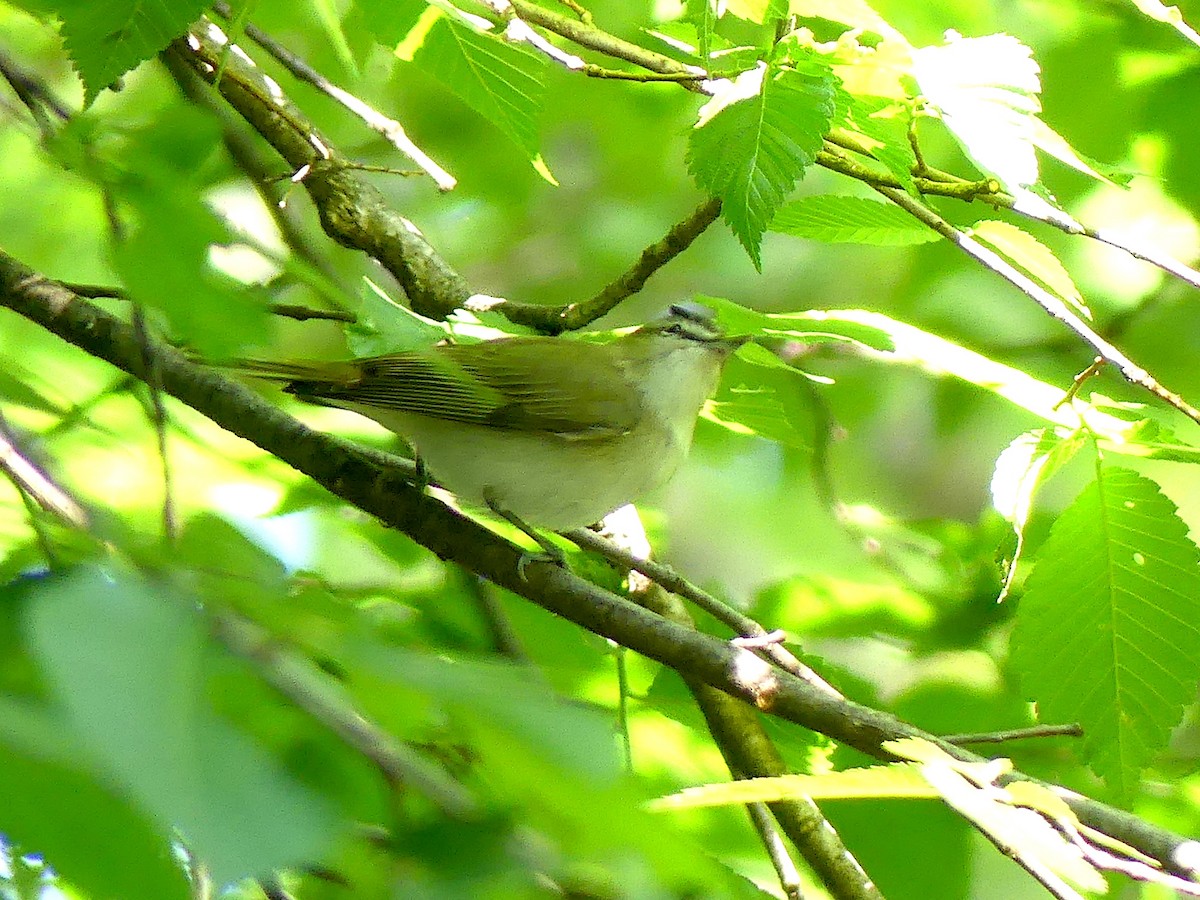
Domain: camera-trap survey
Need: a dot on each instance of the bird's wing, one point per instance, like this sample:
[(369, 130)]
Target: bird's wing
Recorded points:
[(581, 394)]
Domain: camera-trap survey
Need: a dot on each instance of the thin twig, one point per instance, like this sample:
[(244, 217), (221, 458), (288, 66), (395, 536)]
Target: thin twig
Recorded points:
[(35, 483), (304, 313), (777, 851), (1015, 734), (1130, 370), (586, 34), (505, 640), (556, 319), (32, 92), (392, 130), (311, 690), (676, 584)]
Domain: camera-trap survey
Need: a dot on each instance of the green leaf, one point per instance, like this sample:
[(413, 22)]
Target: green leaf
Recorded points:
[(165, 263), (142, 708), (1021, 468), (809, 327), (54, 807), (1034, 258), (107, 38), (853, 13), (986, 90), (390, 20), (882, 122), (1170, 15), (754, 399), (897, 781), (702, 14), (1107, 631), (384, 326), (754, 140), (855, 220), (500, 82)]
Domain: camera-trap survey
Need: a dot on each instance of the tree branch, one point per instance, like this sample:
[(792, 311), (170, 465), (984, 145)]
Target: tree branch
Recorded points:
[(386, 494), (352, 211)]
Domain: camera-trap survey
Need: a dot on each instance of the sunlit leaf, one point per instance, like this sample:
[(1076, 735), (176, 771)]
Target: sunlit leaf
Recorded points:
[(1021, 468), (986, 90), (854, 13), (854, 220), (1107, 634), (1171, 15), (755, 139), (499, 81), (898, 781), (1034, 258)]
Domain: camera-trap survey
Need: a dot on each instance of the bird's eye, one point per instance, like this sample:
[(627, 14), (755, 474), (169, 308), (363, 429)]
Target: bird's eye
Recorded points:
[(673, 329)]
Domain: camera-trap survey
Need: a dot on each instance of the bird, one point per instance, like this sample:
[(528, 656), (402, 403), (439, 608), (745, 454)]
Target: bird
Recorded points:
[(549, 432)]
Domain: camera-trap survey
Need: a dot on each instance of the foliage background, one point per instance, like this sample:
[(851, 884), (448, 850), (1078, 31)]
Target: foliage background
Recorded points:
[(897, 599)]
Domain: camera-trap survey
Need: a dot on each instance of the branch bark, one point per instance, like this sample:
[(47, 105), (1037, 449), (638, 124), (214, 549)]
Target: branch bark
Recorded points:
[(386, 494)]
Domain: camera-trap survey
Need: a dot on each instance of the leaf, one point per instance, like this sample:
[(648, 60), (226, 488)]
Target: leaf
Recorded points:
[(754, 140), (1019, 833), (384, 326), (897, 781), (53, 807), (1171, 15), (165, 263), (498, 81), (703, 15), (141, 707), (1106, 633), (808, 327), (330, 20), (107, 38), (854, 220), (1020, 469), (853, 13), (390, 20), (762, 401), (883, 123), (986, 90), (1034, 258)]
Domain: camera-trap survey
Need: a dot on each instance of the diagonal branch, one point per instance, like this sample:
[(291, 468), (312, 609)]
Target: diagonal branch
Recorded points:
[(387, 494), (353, 212), (1130, 370)]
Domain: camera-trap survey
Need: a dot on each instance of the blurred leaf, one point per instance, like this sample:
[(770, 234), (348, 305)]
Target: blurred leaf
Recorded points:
[(141, 708), (52, 804), (1107, 631), (1171, 15), (390, 20), (385, 326), (330, 18), (754, 140), (1024, 834), (107, 38), (899, 781), (1034, 258), (852, 13), (836, 219)]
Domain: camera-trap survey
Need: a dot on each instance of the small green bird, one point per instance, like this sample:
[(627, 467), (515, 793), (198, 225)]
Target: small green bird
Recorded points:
[(553, 431)]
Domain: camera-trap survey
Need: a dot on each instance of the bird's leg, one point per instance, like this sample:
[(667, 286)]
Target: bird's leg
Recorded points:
[(551, 552), (422, 479)]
